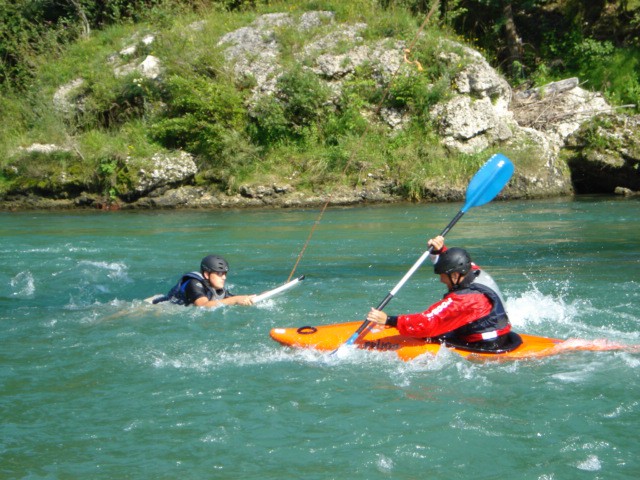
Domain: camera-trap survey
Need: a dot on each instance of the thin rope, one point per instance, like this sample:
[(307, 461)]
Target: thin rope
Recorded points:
[(306, 244), (407, 52)]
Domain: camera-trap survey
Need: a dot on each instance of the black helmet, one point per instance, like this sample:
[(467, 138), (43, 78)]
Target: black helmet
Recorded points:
[(453, 260), (214, 263)]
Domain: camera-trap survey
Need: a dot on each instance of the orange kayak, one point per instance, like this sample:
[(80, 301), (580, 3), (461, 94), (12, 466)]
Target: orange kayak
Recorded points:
[(384, 338)]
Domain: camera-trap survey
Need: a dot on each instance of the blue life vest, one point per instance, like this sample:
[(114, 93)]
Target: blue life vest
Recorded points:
[(177, 294)]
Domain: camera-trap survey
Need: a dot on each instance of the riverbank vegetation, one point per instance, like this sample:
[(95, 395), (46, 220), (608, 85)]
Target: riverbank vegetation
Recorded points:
[(298, 137)]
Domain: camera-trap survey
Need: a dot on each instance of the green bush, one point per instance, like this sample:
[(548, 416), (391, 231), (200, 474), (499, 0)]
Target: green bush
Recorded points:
[(304, 98), (270, 125), (110, 102), (199, 115), (614, 71), (29, 36), (346, 122), (417, 94), (296, 111)]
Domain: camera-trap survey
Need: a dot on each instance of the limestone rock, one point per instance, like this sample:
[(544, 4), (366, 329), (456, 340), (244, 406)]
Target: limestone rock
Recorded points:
[(150, 68), (65, 99), (162, 170), (478, 116)]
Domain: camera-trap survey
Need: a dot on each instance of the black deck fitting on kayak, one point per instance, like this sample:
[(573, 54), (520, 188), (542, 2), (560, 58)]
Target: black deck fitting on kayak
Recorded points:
[(307, 330)]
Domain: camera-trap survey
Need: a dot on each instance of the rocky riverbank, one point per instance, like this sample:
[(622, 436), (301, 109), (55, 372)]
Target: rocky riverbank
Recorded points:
[(566, 139)]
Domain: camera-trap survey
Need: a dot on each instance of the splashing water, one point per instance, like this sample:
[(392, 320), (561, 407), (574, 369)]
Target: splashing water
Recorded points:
[(24, 285)]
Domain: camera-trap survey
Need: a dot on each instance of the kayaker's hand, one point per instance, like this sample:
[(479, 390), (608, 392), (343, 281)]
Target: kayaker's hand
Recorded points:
[(437, 243), (377, 316)]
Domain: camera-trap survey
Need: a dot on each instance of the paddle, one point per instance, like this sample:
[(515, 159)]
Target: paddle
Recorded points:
[(277, 290), (483, 187)]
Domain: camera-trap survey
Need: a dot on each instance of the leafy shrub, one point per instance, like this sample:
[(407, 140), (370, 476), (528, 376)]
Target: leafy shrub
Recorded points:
[(26, 33), (270, 125), (294, 112), (304, 98), (107, 102), (614, 71), (347, 121), (199, 116)]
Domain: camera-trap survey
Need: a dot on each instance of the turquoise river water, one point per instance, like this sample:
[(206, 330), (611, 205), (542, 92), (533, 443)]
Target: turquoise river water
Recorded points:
[(97, 384)]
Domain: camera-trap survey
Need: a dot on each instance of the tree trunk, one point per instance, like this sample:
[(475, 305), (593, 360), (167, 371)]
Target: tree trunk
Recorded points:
[(514, 42), (86, 28)]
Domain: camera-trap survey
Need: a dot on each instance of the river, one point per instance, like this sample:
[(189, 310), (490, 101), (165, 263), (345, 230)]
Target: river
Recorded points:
[(95, 383)]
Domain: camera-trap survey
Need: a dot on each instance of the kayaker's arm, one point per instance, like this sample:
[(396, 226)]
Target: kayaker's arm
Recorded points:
[(239, 300), (235, 300)]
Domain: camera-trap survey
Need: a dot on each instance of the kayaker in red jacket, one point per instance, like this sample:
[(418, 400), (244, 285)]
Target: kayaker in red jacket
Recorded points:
[(471, 314)]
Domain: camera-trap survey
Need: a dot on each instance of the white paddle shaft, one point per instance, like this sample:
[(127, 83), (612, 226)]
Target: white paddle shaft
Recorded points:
[(277, 290)]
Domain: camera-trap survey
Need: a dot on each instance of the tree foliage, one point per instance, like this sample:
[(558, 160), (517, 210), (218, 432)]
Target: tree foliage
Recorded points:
[(27, 31), (539, 40), (526, 37), (29, 28)]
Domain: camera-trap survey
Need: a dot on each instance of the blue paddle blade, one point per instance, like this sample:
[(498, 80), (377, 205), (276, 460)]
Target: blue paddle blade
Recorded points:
[(488, 181)]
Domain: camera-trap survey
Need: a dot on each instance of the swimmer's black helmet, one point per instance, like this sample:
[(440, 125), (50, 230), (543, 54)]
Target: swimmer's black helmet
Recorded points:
[(214, 263)]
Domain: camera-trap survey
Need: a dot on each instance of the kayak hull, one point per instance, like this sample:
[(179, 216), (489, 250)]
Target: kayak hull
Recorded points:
[(385, 338)]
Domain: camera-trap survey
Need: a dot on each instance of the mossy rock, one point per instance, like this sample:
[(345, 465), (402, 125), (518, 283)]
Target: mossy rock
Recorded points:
[(58, 174)]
